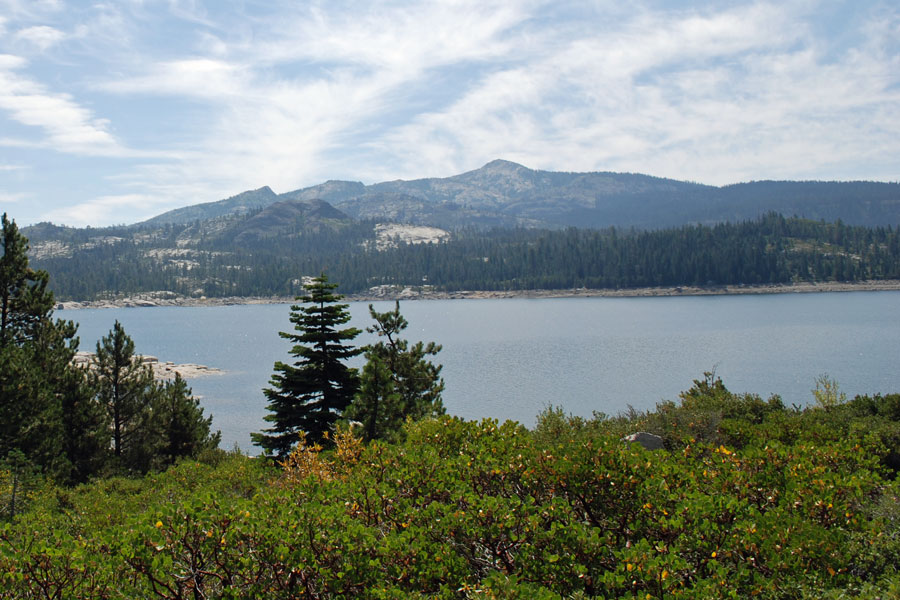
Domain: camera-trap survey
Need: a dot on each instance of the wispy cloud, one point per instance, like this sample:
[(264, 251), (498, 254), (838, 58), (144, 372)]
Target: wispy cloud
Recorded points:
[(714, 98), (280, 108), (68, 127), (42, 37), (189, 101)]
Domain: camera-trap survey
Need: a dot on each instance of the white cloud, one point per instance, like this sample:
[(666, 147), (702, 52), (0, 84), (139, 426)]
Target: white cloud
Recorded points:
[(41, 36), (714, 98), (215, 80), (68, 127), (397, 36), (278, 108)]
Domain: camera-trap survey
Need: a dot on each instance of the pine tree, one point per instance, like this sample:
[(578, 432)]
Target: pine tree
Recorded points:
[(185, 432), (125, 386), (311, 394), (398, 381), (377, 404), (42, 413), (24, 299)]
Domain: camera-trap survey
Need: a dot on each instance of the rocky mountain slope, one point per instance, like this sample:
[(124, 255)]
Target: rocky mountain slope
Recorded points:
[(506, 194)]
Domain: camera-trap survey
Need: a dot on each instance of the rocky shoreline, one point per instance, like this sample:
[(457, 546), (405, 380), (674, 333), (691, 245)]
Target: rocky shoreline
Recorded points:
[(162, 370), (152, 299)]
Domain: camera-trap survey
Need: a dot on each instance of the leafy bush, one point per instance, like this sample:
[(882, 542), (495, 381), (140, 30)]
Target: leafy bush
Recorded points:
[(800, 507)]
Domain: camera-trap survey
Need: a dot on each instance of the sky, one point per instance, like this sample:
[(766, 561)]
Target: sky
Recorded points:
[(113, 111)]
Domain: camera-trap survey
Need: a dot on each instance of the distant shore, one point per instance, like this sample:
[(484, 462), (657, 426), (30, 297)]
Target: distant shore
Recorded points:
[(424, 293)]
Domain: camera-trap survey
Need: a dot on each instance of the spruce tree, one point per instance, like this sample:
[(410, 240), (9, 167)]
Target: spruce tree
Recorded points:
[(311, 394)]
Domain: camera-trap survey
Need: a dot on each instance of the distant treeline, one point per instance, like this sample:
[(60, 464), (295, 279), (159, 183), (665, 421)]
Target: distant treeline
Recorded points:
[(771, 249)]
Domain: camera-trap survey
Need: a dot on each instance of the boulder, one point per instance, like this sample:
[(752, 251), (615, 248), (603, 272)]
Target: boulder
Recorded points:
[(648, 440)]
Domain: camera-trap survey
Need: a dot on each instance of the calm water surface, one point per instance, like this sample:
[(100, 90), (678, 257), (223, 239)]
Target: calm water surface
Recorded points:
[(510, 358)]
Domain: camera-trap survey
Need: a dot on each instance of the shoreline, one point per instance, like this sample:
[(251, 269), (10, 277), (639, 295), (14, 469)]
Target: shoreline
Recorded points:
[(152, 299)]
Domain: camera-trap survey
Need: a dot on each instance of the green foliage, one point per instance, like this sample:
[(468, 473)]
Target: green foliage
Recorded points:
[(126, 387), (185, 431), (45, 412), (18, 482), (398, 381), (310, 395), (153, 424), (24, 299), (482, 509), (827, 393), (747, 500)]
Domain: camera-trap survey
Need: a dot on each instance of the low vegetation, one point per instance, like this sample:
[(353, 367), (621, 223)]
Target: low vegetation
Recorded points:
[(748, 499)]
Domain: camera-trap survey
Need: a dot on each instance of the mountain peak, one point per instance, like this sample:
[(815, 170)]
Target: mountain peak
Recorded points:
[(503, 166)]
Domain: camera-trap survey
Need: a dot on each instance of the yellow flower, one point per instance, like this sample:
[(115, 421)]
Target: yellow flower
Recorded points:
[(158, 524)]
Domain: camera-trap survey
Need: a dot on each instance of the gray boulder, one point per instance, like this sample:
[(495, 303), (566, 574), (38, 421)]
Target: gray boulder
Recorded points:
[(648, 440)]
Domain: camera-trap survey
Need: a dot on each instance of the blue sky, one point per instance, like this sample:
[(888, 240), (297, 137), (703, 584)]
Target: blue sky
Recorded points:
[(114, 111)]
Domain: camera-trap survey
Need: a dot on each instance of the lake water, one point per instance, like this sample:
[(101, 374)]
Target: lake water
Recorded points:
[(511, 358)]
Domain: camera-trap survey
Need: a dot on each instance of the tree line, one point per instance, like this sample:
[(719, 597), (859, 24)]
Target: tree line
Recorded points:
[(772, 249)]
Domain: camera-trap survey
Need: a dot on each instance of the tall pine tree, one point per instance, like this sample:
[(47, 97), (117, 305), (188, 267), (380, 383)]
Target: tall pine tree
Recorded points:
[(126, 387), (44, 412), (311, 394)]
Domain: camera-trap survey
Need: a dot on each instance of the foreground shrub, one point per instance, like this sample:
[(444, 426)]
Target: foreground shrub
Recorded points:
[(801, 507)]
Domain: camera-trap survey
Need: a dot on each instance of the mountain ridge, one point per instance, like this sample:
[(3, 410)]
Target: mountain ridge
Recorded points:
[(506, 194)]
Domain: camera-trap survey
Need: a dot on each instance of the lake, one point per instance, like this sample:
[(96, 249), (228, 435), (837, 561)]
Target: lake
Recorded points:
[(511, 358)]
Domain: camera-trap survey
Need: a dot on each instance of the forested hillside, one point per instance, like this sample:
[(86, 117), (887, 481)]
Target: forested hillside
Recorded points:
[(232, 256)]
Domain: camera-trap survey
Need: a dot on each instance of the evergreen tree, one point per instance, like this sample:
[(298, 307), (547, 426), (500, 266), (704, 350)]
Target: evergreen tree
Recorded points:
[(311, 395), (185, 432), (85, 428), (377, 404), (125, 386), (43, 412), (398, 380), (25, 301)]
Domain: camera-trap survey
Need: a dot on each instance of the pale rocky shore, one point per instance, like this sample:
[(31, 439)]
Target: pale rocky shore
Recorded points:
[(427, 293), (162, 370)]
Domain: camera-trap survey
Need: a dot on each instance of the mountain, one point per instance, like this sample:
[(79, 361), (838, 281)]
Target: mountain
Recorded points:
[(235, 205), (503, 226), (506, 194), (287, 218)]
